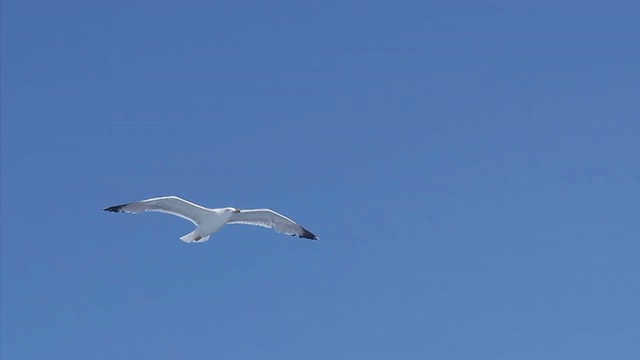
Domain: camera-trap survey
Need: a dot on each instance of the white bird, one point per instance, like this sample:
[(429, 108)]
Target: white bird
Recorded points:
[(208, 221)]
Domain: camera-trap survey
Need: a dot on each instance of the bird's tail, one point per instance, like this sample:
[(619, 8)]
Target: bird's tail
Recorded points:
[(194, 237)]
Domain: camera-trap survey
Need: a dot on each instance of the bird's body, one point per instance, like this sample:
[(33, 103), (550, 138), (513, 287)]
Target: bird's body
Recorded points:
[(208, 221)]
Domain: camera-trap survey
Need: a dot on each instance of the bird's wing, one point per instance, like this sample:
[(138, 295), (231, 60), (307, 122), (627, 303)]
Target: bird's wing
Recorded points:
[(271, 219), (167, 204)]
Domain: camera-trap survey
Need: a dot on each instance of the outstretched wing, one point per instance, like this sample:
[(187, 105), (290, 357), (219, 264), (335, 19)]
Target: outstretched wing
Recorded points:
[(167, 204), (271, 219)]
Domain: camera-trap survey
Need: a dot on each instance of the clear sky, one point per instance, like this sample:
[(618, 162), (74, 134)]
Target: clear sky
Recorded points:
[(471, 170)]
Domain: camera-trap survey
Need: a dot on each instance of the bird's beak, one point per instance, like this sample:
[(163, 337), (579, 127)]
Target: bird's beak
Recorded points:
[(236, 211)]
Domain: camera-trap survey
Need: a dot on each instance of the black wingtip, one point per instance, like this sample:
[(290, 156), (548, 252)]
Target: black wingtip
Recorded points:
[(115, 209), (306, 234)]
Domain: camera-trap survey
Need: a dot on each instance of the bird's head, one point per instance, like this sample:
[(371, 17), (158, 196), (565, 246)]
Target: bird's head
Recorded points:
[(232, 210)]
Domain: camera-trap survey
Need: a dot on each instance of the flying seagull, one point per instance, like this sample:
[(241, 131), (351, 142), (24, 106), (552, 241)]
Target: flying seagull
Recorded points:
[(208, 221)]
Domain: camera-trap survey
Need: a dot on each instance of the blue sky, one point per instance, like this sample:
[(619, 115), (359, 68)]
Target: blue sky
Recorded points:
[(471, 169)]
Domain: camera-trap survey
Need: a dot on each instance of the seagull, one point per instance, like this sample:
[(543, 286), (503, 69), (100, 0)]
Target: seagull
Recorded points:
[(209, 221)]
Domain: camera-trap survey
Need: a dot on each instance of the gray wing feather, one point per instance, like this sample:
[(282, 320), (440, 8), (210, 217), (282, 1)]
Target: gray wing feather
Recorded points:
[(172, 205), (272, 220)]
